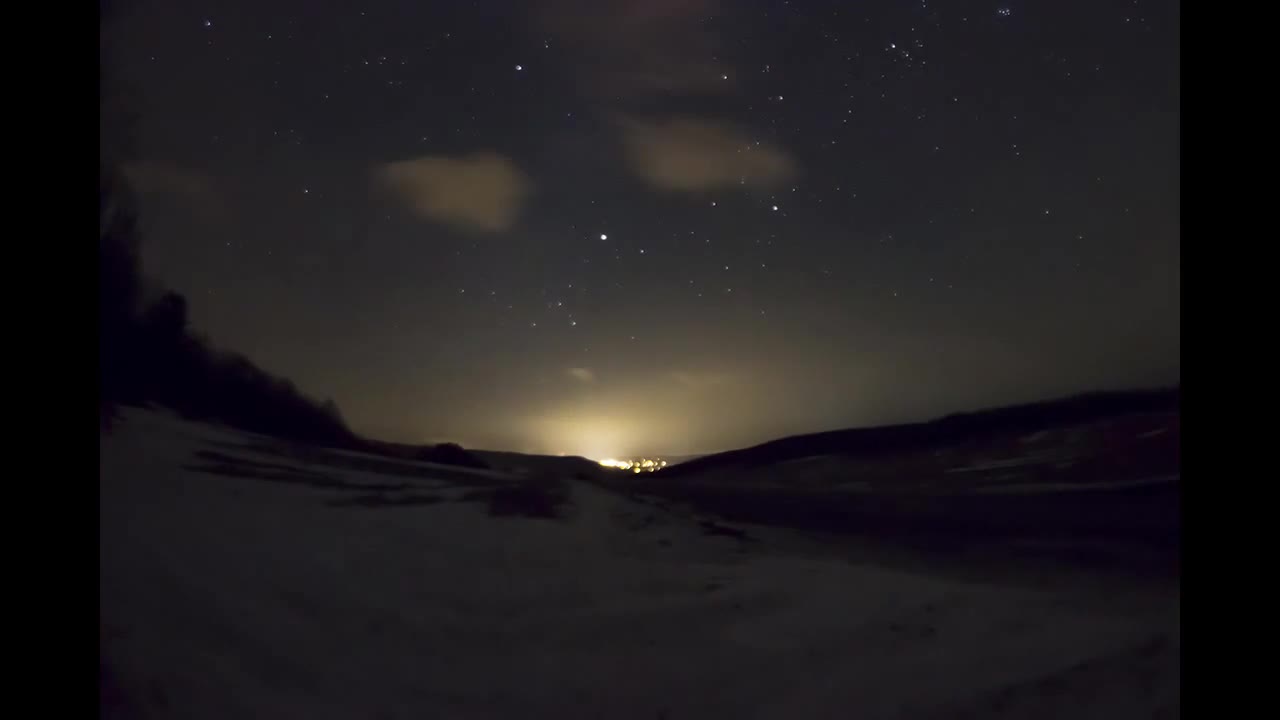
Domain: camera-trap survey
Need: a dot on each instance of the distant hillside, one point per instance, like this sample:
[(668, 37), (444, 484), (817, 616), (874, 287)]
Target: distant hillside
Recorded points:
[(952, 429), (1103, 468), (535, 465), (678, 459)]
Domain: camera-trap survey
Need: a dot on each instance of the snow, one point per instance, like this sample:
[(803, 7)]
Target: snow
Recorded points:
[(1030, 488), (234, 597), (1033, 437), (1001, 464)]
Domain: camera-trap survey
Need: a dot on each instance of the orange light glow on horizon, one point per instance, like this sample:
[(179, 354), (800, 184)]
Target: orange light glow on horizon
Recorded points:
[(642, 465)]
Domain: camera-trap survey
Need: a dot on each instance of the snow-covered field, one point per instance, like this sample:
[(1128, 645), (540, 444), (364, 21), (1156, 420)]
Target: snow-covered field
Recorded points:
[(268, 594)]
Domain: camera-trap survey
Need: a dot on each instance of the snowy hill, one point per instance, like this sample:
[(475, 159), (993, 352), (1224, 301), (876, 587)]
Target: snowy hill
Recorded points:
[(241, 578)]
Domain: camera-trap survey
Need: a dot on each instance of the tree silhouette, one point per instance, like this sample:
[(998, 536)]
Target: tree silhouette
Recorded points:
[(148, 354)]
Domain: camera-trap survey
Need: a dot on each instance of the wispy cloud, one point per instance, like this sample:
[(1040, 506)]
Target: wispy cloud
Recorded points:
[(633, 55), (480, 192), (687, 154), (582, 374), (634, 49)]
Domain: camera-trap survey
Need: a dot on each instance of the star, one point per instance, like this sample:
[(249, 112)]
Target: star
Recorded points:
[(522, 178)]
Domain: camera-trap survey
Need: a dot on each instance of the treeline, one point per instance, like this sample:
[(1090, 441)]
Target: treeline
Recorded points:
[(148, 354)]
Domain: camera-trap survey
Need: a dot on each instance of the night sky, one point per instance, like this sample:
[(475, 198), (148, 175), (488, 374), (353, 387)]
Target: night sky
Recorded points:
[(614, 227)]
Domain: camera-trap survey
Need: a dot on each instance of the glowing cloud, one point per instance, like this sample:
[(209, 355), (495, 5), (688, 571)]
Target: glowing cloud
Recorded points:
[(637, 49), (482, 192), (686, 154), (582, 375)]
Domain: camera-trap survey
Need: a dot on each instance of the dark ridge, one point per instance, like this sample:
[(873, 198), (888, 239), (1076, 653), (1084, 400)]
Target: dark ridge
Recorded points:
[(950, 429)]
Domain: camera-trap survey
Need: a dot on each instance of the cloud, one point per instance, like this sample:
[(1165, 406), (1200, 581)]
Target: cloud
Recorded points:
[(481, 192), (191, 187), (686, 154), (582, 375), (630, 56), (635, 49)]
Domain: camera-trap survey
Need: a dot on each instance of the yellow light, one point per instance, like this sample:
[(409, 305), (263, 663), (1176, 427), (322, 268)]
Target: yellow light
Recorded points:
[(642, 465)]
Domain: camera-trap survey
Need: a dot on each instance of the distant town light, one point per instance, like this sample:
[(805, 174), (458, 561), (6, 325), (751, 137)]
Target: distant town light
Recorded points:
[(635, 466)]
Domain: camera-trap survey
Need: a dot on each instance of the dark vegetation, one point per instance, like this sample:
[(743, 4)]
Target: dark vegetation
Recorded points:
[(443, 454), (535, 465), (148, 353)]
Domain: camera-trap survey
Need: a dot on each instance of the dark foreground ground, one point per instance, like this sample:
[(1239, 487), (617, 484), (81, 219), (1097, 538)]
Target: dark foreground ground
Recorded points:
[(1088, 487), (244, 578)]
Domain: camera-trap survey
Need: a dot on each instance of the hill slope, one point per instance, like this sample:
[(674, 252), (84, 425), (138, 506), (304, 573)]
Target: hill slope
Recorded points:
[(240, 578), (950, 430)]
